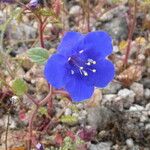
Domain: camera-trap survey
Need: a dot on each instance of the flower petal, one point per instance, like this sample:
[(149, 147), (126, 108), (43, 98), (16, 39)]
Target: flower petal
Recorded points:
[(105, 72), (98, 44), (55, 70), (79, 90), (69, 43)]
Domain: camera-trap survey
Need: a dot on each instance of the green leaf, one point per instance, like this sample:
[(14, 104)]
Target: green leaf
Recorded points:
[(68, 119), (38, 55), (43, 111), (46, 12), (19, 87)]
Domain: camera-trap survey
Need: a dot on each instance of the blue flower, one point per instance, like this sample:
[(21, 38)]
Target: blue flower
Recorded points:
[(7, 1), (33, 3), (81, 64)]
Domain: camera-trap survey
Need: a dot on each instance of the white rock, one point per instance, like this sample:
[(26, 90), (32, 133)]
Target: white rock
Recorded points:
[(75, 10), (143, 118), (130, 143), (101, 146), (80, 106), (106, 17), (125, 93), (109, 97), (138, 89), (128, 97), (75, 115), (115, 49), (136, 108), (147, 93), (147, 107), (68, 111), (147, 126), (112, 88)]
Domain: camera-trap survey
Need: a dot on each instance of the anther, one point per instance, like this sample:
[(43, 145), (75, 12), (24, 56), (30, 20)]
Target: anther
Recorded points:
[(81, 51), (85, 73), (94, 62), (72, 72), (81, 68), (88, 63), (69, 58), (94, 70)]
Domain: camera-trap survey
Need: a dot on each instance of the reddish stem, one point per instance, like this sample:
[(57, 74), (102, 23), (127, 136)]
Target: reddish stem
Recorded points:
[(131, 30), (41, 32)]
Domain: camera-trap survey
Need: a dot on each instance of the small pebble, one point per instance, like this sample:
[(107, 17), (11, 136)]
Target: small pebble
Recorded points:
[(130, 143), (68, 111), (147, 93)]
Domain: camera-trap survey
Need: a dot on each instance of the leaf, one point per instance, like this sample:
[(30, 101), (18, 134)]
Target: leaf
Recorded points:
[(38, 55), (43, 111), (19, 87), (68, 119), (46, 12), (123, 45)]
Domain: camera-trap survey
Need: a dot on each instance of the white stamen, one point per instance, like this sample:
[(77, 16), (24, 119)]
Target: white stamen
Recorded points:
[(81, 51), (81, 68), (72, 72), (88, 63), (94, 70), (94, 62), (85, 73), (90, 60), (69, 58)]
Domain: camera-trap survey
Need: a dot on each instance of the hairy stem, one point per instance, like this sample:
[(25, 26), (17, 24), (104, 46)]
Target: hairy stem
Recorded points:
[(41, 33), (131, 30), (6, 135)]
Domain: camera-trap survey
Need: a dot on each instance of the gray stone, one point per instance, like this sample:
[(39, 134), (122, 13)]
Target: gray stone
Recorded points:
[(136, 108), (80, 106), (143, 118), (117, 28), (115, 49), (99, 117), (109, 97), (147, 94), (112, 88), (127, 96), (130, 143), (138, 89), (75, 10), (146, 82), (147, 126), (147, 107), (101, 146), (68, 111)]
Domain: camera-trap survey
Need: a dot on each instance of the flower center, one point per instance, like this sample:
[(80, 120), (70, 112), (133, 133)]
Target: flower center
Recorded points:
[(81, 65)]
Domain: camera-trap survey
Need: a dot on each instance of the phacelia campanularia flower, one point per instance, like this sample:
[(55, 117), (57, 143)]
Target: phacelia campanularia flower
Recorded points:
[(35, 3), (7, 1), (81, 64)]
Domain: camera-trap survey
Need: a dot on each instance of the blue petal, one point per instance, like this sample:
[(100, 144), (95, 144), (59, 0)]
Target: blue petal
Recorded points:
[(69, 43), (98, 44), (55, 70), (104, 74), (79, 90)]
